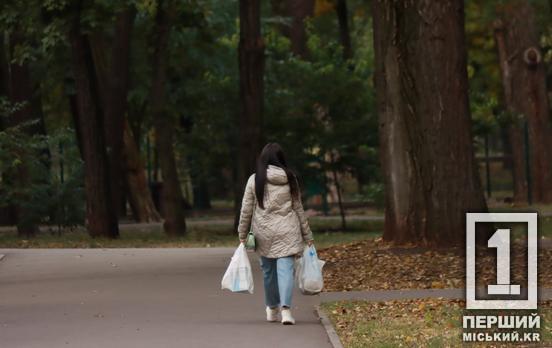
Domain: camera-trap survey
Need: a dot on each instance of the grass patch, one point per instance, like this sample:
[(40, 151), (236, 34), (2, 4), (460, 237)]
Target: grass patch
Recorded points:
[(412, 323), (333, 224), (152, 236)]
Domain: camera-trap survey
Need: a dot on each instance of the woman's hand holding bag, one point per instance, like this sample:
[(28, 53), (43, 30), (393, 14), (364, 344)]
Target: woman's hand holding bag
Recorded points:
[(308, 272)]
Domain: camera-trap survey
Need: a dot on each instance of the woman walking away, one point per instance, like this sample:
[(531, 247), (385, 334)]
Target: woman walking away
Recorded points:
[(272, 209)]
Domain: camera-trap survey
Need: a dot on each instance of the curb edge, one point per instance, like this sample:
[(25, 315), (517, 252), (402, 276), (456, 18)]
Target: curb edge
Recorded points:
[(328, 327)]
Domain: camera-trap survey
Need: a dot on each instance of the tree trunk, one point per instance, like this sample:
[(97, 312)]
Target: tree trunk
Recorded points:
[(100, 214), (74, 108), (515, 128), (338, 191), (431, 177), (525, 96), (7, 213), (172, 202), (299, 11), (506, 148), (116, 107), (139, 195), (113, 80), (344, 34), (251, 65), (296, 11)]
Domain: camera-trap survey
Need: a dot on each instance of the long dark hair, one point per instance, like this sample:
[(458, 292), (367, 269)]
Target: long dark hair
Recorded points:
[(273, 154)]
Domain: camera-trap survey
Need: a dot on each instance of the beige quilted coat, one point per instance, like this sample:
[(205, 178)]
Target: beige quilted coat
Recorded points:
[(281, 228)]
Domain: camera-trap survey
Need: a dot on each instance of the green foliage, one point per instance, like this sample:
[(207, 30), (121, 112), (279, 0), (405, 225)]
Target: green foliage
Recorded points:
[(66, 201), (314, 107), (44, 197), (546, 43), (309, 121), (321, 109), (483, 69), (323, 128), (373, 193), (485, 114)]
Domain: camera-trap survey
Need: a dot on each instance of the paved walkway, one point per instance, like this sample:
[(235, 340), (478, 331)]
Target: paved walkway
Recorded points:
[(152, 298), (138, 298)]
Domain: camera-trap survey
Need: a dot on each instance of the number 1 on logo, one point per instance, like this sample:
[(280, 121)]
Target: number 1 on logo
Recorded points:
[(501, 241)]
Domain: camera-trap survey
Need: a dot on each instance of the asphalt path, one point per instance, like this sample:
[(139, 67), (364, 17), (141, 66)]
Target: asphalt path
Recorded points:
[(139, 298)]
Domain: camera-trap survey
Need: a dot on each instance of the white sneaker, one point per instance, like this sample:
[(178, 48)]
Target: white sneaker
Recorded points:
[(272, 314), (287, 319)]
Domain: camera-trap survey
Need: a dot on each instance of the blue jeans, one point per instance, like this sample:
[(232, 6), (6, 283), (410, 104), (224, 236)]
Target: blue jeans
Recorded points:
[(278, 280)]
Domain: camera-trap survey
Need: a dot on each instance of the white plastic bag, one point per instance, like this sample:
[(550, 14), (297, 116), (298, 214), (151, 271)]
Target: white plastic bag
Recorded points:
[(308, 272), (238, 276)]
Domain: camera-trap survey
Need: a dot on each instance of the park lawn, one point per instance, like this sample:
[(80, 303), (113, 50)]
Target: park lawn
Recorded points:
[(204, 234), (412, 323)]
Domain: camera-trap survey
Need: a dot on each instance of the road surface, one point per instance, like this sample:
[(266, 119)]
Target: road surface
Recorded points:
[(138, 298)]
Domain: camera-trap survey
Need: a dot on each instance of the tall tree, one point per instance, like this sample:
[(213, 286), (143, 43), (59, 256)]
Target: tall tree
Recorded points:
[(126, 167), (345, 40), (100, 215), (344, 31), (172, 201), (251, 66), (299, 12), (139, 195), (116, 101), (112, 72), (427, 156), (525, 98), (296, 11)]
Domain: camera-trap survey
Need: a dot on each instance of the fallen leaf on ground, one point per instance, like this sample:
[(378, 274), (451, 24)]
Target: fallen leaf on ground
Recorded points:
[(374, 265)]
